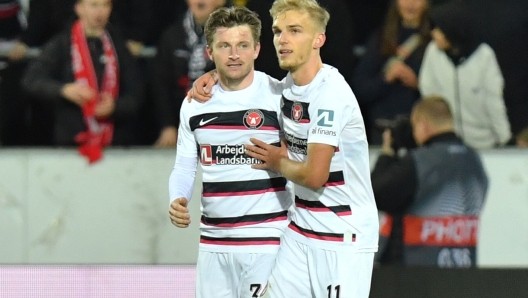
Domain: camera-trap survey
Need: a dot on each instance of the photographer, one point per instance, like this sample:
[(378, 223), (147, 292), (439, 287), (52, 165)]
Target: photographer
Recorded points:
[(432, 196)]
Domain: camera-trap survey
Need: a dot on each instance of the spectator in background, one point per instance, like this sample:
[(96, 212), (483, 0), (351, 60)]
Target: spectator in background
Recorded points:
[(88, 75), (181, 59), (465, 72), (12, 125), (164, 14), (366, 16), (10, 24), (503, 25), (385, 80), (433, 195), (47, 18), (522, 138)]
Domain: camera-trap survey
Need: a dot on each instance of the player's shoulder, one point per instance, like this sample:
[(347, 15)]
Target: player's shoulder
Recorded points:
[(331, 80), (267, 83), (188, 108)]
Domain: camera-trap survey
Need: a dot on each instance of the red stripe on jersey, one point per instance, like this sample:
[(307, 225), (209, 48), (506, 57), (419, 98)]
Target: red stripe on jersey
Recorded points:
[(314, 209), (243, 193), (317, 206), (316, 235), (304, 121), (337, 183), (247, 223), (240, 241), (238, 127)]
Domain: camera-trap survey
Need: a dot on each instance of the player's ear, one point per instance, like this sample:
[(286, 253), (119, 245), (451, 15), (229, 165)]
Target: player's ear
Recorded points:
[(209, 51), (319, 40), (257, 50)]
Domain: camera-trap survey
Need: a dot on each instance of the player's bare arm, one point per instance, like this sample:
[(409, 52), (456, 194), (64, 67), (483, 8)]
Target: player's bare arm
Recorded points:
[(179, 214), (312, 173)]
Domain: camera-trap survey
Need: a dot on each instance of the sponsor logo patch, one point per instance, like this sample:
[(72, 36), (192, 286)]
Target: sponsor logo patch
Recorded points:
[(325, 118)]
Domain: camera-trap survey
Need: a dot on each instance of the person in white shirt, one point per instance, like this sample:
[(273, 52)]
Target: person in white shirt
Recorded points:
[(457, 67), (244, 210)]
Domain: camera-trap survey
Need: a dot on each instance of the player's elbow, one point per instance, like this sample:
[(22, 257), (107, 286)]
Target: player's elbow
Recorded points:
[(316, 181)]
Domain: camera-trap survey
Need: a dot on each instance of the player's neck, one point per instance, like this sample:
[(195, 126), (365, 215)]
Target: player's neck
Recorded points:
[(307, 72), (237, 84)]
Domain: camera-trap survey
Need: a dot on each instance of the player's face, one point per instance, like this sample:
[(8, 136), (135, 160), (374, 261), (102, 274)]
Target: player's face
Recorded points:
[(411, 11), (234, 52), (294, 37), (94, 14)]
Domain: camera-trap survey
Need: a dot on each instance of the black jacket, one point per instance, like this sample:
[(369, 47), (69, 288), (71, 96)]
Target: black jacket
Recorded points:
[(395, 183), (47, 74), (170, 79)]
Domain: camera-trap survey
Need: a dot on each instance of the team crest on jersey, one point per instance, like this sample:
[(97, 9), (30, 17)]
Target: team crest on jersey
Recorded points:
[(253, 119), (296, 112)]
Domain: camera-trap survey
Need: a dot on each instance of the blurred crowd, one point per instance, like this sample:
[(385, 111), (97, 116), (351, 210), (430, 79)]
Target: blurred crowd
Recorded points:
[(148, 53)]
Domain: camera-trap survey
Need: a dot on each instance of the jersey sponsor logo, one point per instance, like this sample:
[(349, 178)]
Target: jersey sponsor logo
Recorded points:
[(204, 122), (206, 155), (226, 155), (296, 112), (322, 131), (296, 145), (253, 119), (325, 118)]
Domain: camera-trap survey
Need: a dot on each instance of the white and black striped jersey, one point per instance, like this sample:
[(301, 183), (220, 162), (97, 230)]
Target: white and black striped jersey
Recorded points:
[(243, 209), (343, 213)]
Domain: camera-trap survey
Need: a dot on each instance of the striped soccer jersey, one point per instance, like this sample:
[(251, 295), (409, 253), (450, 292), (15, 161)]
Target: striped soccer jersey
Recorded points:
[(342, 214), (243, 209)]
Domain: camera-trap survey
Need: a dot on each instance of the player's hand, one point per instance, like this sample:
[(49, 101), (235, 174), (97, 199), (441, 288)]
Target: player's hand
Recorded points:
[(201, 89), (167, 138), (179, 214), (269, 155), (77, 93)]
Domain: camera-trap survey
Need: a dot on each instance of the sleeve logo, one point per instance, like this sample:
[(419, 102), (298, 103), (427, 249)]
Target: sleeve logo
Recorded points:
[(325, 118)]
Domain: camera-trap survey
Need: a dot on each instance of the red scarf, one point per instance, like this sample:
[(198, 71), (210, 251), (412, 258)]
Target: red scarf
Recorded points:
[(9, 9), (99, 132)]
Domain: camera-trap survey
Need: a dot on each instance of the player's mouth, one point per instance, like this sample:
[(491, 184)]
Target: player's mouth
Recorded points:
[(234, 65), (285, 53)]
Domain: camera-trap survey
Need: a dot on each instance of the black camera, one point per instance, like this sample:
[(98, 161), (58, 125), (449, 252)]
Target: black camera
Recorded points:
[(401, 131)]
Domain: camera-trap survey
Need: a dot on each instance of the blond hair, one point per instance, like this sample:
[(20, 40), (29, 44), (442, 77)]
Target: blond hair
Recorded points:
[(522, 136), (314, 10), (435, 109)]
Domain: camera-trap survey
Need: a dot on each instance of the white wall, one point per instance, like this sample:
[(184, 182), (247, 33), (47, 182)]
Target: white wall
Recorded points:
[(56, 209)]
